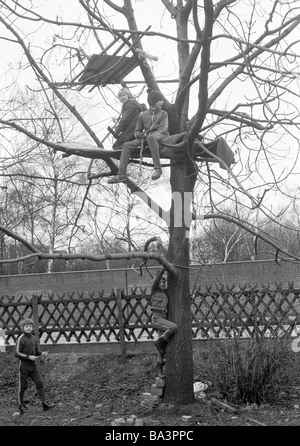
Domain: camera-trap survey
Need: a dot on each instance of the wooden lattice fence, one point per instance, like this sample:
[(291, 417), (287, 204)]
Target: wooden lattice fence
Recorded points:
[(245, 311), (82, 317)]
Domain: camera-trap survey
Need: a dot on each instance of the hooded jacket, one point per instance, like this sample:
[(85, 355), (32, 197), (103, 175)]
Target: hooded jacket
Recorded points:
[(159, 297)]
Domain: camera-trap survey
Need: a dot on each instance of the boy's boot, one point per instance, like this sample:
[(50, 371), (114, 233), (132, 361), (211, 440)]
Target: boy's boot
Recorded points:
[(156, 174), (161, 344), (22, 409), (160, 371), (47, 406)]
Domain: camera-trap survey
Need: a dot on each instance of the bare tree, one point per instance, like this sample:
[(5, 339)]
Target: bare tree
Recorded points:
[(220, 241), (237, 70)]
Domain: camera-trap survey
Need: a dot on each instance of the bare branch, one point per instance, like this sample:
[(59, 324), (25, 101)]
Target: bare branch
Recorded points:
[(19, 239), (127, 256), (220, 6), (205, 64), (255, 233), (112, 5), (170, 7), (42, 75)]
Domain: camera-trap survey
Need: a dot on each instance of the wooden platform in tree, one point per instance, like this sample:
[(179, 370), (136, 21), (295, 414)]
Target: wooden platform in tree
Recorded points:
[(172, 148)]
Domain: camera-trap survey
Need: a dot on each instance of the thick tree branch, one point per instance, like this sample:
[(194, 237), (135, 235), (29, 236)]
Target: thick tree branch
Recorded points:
[(19, 239), (220, 6), (204, 69), (35, 253), (117, 8), (170, 7)]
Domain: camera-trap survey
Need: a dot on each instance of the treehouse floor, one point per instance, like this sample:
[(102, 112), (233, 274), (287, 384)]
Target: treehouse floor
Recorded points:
[(171, 148)]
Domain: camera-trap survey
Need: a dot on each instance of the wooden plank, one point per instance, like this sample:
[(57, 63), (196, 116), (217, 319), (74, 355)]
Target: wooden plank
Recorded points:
[(169, 149), (89, 151), (223, 406)]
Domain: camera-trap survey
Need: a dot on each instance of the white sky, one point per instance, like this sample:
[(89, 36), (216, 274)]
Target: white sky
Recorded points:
[(71, 10), (148, 12)]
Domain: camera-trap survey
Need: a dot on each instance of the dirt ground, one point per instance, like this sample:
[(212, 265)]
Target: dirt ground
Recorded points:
[(97, 390)]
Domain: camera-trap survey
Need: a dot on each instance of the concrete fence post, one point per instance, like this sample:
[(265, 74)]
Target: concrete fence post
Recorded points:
[(121, 324), (2, 341), (35, 313)]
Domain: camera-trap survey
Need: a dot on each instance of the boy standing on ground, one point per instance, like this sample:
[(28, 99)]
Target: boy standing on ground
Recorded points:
[(27, 351), (152, 125)]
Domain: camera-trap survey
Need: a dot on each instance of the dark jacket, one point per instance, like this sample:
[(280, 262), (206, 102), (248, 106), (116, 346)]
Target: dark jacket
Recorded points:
[(152, 121), (27, 345), (159, 302), (129, 115), (159, 298)]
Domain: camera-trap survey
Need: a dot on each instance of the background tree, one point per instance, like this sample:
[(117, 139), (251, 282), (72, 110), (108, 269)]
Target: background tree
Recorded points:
[(239, 59), (221, 241)]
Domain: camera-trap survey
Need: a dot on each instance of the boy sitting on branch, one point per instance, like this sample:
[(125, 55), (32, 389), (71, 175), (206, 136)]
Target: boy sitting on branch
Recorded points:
[(152, 127)]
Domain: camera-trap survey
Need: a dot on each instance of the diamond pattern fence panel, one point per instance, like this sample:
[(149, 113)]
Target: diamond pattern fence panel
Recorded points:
[(82, 317), (245, 311), (12, 310), (79, 316)]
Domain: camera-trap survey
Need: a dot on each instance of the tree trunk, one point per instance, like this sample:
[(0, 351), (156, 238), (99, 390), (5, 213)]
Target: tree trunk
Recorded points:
[(179, 357)]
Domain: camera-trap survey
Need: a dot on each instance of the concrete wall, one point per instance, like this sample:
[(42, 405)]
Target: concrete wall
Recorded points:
[(70, 282), (262, 272)]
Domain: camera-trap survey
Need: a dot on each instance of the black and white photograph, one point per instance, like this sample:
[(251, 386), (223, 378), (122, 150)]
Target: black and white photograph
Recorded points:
[(149, 216)]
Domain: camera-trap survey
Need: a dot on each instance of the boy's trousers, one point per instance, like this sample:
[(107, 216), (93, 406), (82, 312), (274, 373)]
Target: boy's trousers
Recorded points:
[(26, 371)]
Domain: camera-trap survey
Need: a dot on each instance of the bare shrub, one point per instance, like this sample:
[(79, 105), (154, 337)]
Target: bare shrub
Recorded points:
[(258, 369)]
